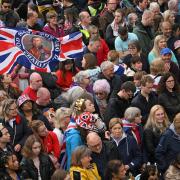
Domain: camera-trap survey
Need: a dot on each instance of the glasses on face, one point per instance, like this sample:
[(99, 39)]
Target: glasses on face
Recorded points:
[(95, 146), (99, 93)]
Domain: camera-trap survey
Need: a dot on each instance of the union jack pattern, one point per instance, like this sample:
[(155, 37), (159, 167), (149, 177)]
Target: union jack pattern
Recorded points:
[(13, 50)]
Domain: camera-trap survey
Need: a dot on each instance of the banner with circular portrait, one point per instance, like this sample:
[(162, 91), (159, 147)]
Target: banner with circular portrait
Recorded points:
[(36, 50)]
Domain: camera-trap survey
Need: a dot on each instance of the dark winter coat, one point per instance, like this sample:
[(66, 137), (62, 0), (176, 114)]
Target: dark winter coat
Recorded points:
[(29, 171), (145, 36), (4, 175), (167, 149), (110, 38), (109, 152), (144, 105), (171, 103), (130, 153), (115, 108), (150, 141), (19, 132)]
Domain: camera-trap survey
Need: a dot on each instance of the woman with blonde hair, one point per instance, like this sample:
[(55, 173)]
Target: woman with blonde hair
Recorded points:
[(160, 42), (155, 126), (169, 16), (62, 119)]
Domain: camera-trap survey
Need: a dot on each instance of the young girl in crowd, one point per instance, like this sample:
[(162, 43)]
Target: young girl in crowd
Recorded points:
[(9, 166), (155, 126), (136, 66), (35, 163), (115, 170), (83, 112), (65, 74), (85, 121), (149, 173), (48, 138)]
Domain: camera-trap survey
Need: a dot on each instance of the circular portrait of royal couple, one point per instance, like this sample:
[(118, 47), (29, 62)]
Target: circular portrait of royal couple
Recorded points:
[(37, 46)]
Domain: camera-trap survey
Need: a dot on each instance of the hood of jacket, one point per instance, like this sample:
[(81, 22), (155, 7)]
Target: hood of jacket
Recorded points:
[(172, 128)]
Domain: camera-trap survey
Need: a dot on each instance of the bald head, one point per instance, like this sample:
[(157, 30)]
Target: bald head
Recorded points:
[(35, 81), (166, 29), (43, 96), (94, 142), (34, 75)]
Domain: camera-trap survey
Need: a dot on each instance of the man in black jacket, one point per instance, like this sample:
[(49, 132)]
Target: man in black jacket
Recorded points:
[(102, 151), (119, 102), (146, 98)]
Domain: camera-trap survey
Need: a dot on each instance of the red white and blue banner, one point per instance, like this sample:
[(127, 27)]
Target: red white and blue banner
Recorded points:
[(36, 50)]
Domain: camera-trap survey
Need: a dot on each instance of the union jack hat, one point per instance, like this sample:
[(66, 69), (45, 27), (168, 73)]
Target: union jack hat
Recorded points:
[(86, 120), (22, 99)]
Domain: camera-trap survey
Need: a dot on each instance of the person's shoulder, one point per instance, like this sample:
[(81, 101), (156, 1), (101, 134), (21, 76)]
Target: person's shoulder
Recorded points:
[(109, 27), (44, 158), (108, 145), (117, 39), (76, 168), (137, 97), (25, 162), (26, 90), (168, 134), (132, 35), (113, 99)]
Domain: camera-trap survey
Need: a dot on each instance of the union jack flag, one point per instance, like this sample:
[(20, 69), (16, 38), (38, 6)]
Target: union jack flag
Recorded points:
[(16, 47)]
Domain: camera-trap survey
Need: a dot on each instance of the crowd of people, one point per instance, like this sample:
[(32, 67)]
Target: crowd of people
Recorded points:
[(113, 114)]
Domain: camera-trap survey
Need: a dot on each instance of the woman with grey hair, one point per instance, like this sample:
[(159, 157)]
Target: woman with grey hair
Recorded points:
[(66, 99), (82, 79), (101, 89), (132, 123)]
